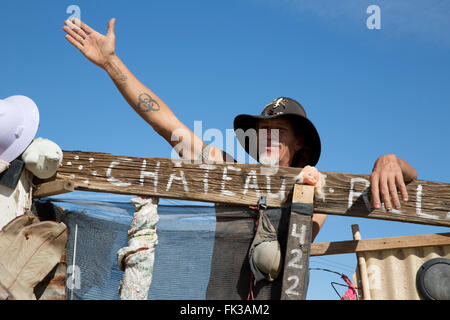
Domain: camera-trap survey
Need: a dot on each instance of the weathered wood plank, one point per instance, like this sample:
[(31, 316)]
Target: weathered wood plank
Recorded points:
[(170, 178), (403, 242), (296, 263), (243, 184), (349, 195), (52, 188)]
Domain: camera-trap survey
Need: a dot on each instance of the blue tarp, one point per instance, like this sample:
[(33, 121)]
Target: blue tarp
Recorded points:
[(182, 256)]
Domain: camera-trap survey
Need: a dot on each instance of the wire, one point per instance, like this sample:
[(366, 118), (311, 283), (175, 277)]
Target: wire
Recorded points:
[(339, 284), (331, 265), (337, 263), (74, 273), (336, 283), (322, 269)]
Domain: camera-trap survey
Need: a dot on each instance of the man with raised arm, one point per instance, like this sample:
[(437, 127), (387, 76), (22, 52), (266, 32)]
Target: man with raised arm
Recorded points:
[(298, 143)]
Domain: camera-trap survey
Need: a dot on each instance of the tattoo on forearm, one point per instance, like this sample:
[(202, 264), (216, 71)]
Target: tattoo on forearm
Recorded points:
[(116, 73), (119, 75), (147, 103)]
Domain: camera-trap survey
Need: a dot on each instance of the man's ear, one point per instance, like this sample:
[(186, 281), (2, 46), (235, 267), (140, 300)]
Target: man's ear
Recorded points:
[(298, 143)]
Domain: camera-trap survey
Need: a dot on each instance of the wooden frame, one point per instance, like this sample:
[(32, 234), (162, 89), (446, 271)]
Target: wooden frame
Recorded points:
[(243, 184), (355, 246)]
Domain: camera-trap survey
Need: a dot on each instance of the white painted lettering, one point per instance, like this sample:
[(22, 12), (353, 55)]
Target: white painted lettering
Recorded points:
[(301, 235), (419, 205), (295, 262), (352, 194), (207, 167), (223, 191), (290, 290), (254, 185), (181, 178), (149, 174), (113, 180)]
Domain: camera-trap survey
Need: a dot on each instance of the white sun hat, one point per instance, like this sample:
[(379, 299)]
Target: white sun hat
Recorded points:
[(19, 121)]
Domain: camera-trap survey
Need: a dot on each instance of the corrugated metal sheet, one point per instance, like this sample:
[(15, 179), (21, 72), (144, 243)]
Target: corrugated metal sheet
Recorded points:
[(392, 273)]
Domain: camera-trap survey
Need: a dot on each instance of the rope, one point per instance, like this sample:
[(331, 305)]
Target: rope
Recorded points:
[(250, 292), (328, 270), (347, 295)]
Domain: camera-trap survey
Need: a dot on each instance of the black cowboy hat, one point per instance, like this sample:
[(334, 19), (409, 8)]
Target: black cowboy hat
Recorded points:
[(292, 110)]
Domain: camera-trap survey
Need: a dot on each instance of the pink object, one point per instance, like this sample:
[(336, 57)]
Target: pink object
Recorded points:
[(19, 121), (350, 294)]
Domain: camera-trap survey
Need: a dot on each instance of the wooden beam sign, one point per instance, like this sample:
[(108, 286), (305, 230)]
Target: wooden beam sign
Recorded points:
[(296, 262), (243, 184)]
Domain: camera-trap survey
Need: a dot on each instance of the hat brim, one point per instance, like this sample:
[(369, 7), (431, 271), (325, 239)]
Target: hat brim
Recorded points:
[(30, 114), (312, 138)]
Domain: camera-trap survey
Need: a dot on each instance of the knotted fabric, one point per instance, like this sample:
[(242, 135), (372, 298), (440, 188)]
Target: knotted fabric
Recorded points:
[(138, 258)]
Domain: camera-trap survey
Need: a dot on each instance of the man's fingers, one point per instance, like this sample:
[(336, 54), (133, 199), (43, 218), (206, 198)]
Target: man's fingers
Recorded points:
[(73, 34), (74, 42), (375, 200), (111, 24), (393, 192), (83, 26), (75, 28), (384, 189), (401, 185)]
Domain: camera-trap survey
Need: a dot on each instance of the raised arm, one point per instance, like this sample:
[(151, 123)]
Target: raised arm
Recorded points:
[(100, 50)]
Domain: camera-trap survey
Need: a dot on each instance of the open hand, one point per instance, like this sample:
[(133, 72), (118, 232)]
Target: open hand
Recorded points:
[(96, 47), (386, 177)]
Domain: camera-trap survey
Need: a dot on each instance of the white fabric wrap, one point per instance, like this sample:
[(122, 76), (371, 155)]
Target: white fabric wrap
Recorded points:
[(138, 258)]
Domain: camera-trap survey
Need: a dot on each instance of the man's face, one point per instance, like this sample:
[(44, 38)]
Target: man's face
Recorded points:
[(281, 151)]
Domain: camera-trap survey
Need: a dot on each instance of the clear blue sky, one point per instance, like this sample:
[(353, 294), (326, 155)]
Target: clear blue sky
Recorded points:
[(369, 92)]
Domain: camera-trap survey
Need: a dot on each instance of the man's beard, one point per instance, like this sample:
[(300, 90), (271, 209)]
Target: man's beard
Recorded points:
[(272, 160)]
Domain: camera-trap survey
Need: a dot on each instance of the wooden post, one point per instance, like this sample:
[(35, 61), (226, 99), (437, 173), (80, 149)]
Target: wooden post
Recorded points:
[(296, 273), (362, 266), (358, 246), (53, 188)]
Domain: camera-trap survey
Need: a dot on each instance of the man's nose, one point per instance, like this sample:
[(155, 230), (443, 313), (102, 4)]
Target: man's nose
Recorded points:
[(273, 134)]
